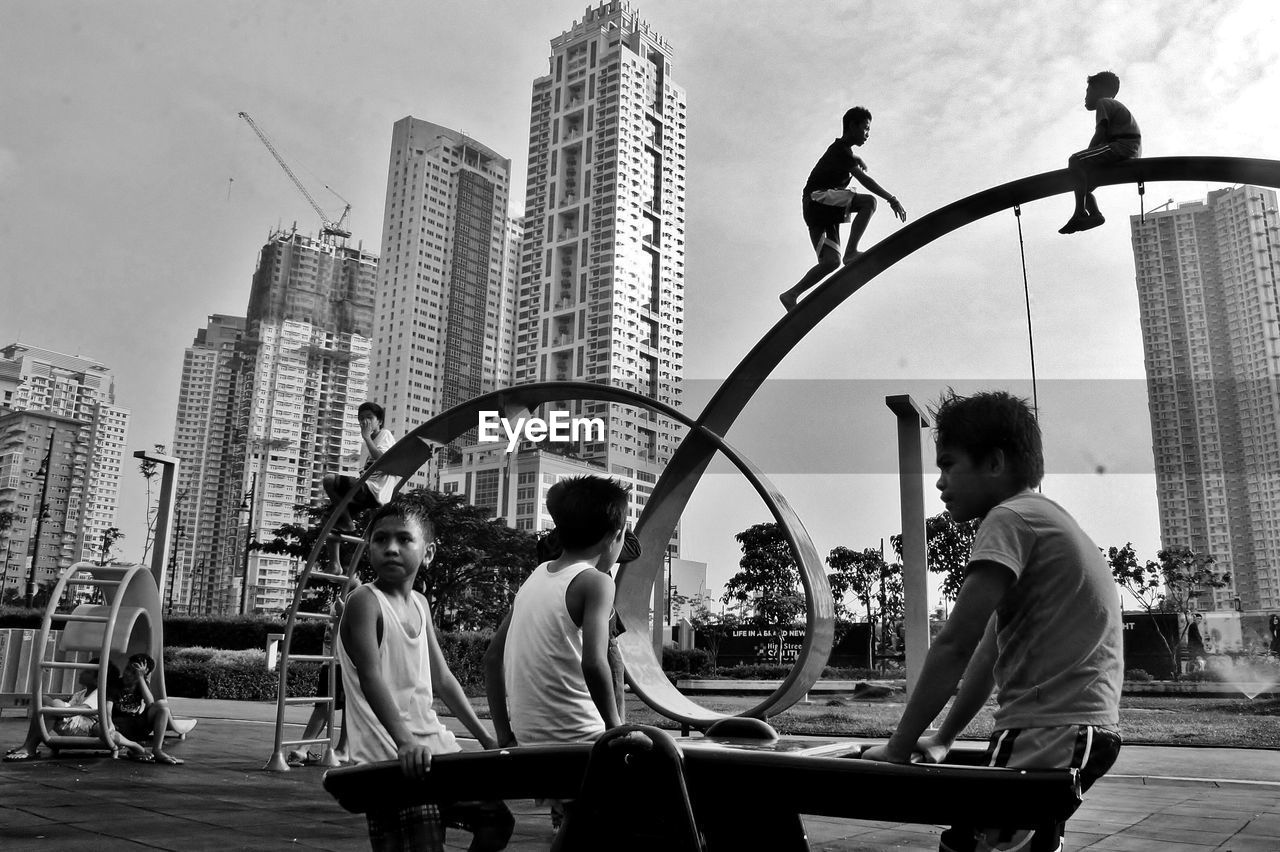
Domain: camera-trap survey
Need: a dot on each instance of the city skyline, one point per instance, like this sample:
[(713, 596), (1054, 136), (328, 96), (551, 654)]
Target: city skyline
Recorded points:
[(129, 134), (1206, 279)]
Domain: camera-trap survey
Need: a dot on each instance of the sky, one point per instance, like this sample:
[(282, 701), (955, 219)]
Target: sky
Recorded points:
[(134, 201)]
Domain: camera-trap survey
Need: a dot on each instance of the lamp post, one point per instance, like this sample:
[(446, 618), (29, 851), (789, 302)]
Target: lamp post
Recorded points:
[(44, 494), (248, 539)]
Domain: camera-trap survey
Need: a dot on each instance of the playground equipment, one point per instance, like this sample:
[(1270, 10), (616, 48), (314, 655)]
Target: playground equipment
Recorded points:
[(127, 622), (647, 790), (739, 792)]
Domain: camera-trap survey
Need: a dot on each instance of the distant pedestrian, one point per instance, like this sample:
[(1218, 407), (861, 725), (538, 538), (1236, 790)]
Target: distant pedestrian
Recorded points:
[(827, 202), (1275, 635), (1116, 138)]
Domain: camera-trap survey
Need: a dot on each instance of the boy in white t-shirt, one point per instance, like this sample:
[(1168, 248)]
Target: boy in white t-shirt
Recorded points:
[(392, 669), (1038, 615)]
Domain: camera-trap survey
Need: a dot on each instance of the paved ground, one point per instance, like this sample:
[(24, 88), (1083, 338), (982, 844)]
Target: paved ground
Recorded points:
[(1171, 799)]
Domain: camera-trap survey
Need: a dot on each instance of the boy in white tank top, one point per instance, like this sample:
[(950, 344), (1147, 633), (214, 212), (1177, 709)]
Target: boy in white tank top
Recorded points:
[(392, 669), (546, 671)]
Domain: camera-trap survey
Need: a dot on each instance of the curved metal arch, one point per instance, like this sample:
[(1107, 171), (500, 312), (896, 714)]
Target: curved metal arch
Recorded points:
[(671, 493), (644, 669)]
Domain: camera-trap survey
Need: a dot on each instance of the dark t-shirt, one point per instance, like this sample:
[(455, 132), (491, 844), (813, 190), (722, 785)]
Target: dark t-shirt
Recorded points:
[(834, 169)]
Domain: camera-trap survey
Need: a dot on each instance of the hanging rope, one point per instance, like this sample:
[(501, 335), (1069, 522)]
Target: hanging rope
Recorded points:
[(1142, 213), (1026, 294)]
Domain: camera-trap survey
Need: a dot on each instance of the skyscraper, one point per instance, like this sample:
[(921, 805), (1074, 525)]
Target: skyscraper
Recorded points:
[(74, 396), (602, 267), (204, 439), (1210, 311), (445, 307), (294, 380)]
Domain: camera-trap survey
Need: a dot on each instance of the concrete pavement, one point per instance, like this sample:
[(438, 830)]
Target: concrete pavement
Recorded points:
[(1166, 798)]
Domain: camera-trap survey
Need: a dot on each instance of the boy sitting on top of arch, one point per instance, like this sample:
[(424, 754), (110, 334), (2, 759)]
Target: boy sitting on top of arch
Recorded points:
[(1116, 138)]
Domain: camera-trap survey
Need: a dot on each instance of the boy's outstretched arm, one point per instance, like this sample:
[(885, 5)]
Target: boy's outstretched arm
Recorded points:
[(975, 688), (359, 632), (447, 688), (948, 658), (869, 182), (597, 590), (495, 685)]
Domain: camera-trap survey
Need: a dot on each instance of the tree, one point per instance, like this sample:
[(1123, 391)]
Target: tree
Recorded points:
[(712, 626), (769, 579), (1171, 584), (479, 564), (109, 538), (872, 581), (948, 545), (149, 469), (296, 539)]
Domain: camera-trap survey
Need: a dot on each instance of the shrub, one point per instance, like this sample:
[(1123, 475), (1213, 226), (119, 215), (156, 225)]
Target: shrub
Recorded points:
[(693, 661), (20, 617), (239, 632), (1138, 676), (241, 675), (464, 652)]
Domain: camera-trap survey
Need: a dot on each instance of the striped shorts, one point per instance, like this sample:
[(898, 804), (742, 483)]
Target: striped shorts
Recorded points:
[(1088, 748)]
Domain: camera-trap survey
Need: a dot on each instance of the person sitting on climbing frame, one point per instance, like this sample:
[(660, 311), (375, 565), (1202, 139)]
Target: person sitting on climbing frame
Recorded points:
[(378, 488), (827, 202), (1116, 138)]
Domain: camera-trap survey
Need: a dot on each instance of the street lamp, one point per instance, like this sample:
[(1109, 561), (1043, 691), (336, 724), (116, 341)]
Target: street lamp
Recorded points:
[(248, 539)]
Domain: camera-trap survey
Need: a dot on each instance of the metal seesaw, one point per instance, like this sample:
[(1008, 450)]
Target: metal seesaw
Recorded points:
[(770, 782)]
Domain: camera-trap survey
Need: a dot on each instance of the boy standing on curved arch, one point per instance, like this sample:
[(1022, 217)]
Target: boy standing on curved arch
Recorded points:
[(1116, 137), (1037, 619), (827, 202)]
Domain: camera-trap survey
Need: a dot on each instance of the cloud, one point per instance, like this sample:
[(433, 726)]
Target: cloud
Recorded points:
[(8, 165)]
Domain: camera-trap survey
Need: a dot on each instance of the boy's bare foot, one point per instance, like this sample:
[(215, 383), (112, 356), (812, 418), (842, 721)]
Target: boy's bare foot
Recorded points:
[(851, 257), (1075, 223), (1092, 221), (788, 301)]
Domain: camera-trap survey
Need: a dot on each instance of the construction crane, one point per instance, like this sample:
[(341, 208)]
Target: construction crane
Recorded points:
[(329, 227)]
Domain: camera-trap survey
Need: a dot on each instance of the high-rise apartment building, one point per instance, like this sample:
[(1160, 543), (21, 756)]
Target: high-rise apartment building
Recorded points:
[(291, 384), (602, 266), (73, 396), (445, 308), (1210, 312), (204, 439)]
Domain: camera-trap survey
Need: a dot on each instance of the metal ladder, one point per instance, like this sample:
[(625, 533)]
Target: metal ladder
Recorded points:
[(110, 579), (328, 658)]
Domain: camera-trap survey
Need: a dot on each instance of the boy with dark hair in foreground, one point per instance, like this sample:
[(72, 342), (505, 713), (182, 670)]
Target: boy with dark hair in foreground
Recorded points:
[(392, 669), (1116, 137), (547, 672), (1038, 615)]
